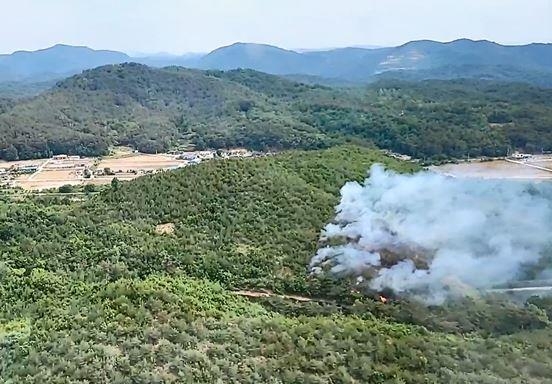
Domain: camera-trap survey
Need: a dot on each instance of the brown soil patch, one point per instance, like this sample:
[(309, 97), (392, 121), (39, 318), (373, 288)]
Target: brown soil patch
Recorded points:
[(165, 229), (270, 294), (140, 161)]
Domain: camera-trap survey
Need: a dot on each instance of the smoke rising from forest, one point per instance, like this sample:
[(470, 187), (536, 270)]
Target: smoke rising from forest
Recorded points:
[(420, 232)]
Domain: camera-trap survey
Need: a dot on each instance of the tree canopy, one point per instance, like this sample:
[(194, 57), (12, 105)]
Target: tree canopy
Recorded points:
[(155, 110), (91, 292)]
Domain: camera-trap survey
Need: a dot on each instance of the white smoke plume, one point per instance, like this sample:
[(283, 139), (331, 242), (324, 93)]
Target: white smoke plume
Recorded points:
[(414, 233)]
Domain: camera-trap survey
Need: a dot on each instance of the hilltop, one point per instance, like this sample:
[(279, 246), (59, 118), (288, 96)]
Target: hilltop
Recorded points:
[(150, 109)]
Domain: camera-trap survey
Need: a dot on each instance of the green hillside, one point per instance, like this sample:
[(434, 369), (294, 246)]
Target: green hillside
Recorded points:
[(156, 110), (91, 292)]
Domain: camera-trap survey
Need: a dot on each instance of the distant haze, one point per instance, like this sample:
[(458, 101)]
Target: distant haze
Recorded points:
[(178, 26)]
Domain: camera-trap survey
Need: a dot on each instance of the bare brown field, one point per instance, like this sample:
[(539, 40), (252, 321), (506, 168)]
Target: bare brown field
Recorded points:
[(498, 169), (48, 179), (124, 163), (55, 173), (21, 163), (69, 164), (140, 161), (102, 180)]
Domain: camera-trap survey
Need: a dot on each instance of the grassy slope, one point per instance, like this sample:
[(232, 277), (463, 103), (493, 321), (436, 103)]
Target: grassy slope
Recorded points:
[(90, 292)]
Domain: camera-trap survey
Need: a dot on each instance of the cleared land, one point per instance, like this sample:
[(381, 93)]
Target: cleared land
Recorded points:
[(21, 163), (124, 164), (49, 179), (498, 169), (140, 161)]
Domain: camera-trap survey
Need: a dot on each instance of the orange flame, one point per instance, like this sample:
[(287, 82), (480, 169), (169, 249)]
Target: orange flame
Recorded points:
[(383, 299)]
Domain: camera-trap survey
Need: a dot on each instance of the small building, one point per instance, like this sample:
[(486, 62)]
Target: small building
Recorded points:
[(74, 158), (236, 152), (187, 156), (206, 155), (28, 169), (520, 156), (60, 157)]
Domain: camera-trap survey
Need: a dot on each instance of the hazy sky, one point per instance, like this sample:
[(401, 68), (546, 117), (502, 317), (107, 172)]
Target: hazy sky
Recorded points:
[(179, 26)]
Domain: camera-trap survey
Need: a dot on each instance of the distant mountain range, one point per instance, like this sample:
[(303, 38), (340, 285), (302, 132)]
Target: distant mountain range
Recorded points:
[(55, 62), (415, 60)]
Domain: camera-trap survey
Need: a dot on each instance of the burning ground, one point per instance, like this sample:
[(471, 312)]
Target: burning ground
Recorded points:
[(425, 233)]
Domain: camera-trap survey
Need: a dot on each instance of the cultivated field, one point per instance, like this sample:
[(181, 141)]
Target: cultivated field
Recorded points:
[(21, 163), (124, 164), (48, 179), (140, 161)]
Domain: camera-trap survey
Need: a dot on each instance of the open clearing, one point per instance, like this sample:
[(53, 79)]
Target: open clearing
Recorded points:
[(498, 169), (53, 173), (21, 163), (140, 161), (49, 179)]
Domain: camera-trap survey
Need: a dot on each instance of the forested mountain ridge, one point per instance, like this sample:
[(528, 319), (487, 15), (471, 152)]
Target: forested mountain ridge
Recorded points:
[(423, 59), (91, 292), (419, 59), (155, 110), (151, 109), (54, 62)]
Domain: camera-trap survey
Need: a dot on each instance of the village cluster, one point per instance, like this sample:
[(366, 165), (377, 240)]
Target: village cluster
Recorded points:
[(65, 169)]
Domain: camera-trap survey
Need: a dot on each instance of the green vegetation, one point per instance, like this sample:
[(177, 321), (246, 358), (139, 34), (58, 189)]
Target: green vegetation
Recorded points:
[(90, 291), (20, 89), (154, 110)]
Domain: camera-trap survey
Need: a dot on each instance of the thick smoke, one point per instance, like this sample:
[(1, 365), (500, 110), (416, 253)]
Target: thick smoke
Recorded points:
[(417, 233)]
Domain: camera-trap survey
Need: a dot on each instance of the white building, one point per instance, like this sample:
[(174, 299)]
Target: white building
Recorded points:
[(206, 155), (519, 156)]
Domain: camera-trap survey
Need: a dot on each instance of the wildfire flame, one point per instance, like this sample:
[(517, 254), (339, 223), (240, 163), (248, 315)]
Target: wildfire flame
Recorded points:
[(383, 299)]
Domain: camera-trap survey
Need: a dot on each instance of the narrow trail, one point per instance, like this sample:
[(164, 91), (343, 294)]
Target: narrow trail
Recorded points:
[(40, 169), (521, 289), (248, 293), (529, 165)]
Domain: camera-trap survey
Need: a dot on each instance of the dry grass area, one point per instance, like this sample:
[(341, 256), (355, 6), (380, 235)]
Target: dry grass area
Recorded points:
[(48, 179), (102, 180), (139, 161), (21, 163), (165, 229), (70, 164), (498, 169), (124, 162)]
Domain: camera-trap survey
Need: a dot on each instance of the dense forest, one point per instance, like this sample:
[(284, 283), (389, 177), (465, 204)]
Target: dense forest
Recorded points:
[(155, 110), (93, 292)]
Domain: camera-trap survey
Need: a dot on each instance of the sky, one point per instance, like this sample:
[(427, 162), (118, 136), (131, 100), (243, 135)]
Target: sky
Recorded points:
[(180, 26)]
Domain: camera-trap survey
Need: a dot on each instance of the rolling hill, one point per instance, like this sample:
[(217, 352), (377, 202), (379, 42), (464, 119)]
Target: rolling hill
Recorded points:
[(91, 293), (155, 110)]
